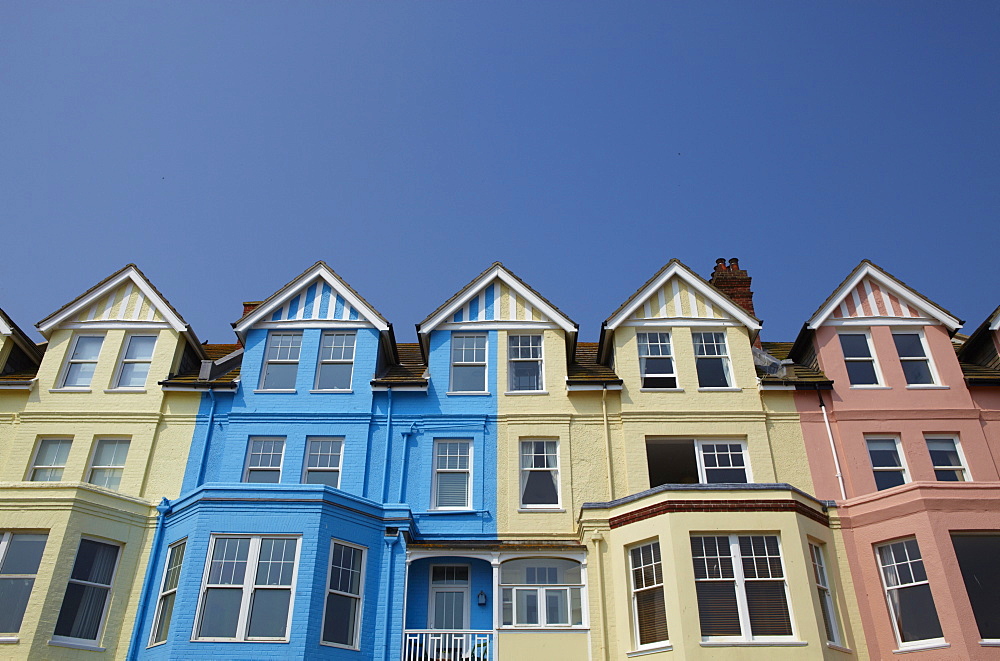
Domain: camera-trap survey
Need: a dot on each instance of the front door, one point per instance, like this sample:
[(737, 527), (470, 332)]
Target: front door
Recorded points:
[(449, 597)]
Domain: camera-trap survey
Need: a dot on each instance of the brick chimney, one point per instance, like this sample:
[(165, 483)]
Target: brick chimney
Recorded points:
[(250, 306), (734, 282)]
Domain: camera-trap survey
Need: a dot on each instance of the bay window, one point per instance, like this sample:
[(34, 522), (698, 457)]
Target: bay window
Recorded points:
[(342, 613), (541, 592), (648, 608), (908, 593), (20, 555), (84, 606), (822, 582), (168, 593)]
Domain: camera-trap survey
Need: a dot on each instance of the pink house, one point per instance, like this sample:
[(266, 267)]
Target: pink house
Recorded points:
[(907, 442)]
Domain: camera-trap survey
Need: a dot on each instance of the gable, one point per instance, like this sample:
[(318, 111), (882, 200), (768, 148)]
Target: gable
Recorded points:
[(676, 293), (869, 293), (123, 299), (316, 297), (497, 298)]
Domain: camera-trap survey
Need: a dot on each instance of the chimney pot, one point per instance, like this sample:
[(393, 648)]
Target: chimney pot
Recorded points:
[(734, 282), (720, 264)]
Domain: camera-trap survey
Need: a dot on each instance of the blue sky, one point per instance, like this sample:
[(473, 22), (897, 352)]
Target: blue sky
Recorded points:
[(226, 146)]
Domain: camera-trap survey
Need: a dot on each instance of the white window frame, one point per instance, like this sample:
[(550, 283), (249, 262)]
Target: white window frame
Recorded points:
[(962, 466), (437, 471), (271, 337), (5, 537), (727, 361), (931, 368), (465, 589), (913, 644), (880, 380), (902, 468), (64, 374), (511, 360), (740, 581), (525, 471), (821, 581), (164, 593), (34, 458), (642, 359), (306, 469), (360, 596), (90, 642), (539, 589), (485, 363), (634, 591), (91, 466), (122, 361), (247, 467), (248, 587), (703, 470), (320, 362)]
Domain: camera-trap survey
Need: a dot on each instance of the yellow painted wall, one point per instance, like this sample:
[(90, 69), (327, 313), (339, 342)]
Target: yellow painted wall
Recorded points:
[(548, 646), (159, 425)]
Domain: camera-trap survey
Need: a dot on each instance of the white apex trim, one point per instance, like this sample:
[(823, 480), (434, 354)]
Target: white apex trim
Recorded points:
[(4, 328), (498, 325), (995, 324), (903, 293), (498, 273), (130, 274), (678, 270), (318, 271)]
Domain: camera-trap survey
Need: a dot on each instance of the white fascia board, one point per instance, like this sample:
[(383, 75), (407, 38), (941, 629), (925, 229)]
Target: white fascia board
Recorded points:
[(473, 290), (903, 293), (694, 322), (345, 324), (728, 306), (498, 325), (4, 328), (884, 321), (140, 283), (281, 297), (995, 324)]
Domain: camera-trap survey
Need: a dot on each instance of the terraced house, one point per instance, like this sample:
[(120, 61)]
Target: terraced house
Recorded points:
[(90, 445)]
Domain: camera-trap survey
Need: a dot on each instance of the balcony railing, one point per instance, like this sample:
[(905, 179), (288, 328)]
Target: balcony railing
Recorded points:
[(445, 645)]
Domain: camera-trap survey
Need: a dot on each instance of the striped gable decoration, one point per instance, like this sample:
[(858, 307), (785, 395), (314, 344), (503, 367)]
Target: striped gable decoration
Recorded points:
[(677, 299), (868, 299), (315, 301), (126, 303)]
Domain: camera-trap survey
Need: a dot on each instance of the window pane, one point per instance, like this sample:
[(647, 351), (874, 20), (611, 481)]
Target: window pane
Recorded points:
[(452, 489), (24, 553), (53, 452), (862, 373), (977, 558), (916, 616), (220, 612), (525, 375), (339, 619), (469, 378), (888, 479), (917, 372), (855, 345), (269, 614), (81, 612), (140, 347), (526, 606), (556, 607), (109, 478), (329, 478), (540, 488), (87, 348), (164, 613), (14, 594), (257, 476), (95, 562), (908, 345), (651, 615), (345, 571), (768, 608), (540, 571), (111, 452), (280, 376), (335, 376), (712, 373), (133, 375), (717, 609), (79, 375), (324, 453)]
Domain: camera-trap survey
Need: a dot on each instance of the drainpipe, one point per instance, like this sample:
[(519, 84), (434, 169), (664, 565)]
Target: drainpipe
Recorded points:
[(833, 447), (208, 438), (607, 441), (389, 543), (597, 538), (147, 585), (388, 444)]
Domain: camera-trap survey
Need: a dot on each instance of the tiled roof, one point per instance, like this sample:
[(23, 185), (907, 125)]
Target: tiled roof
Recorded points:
[(794, 373), (975, 374), (409, 371), (18, 377), (189, 379), (586, 369)]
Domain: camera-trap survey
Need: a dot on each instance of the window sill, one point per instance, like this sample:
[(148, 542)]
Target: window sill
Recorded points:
[(472, 393), (936, 644), (650, 650), (839, 648), (525, 392), (541, 510), (727, 389), (990, 642), (275, 392), (754, 643), (239, 640), (853, 387), (134, 391), (540, 629), (69, 389), (929, 386), (451, 510), (92, 647), (9, 640), (339, 646), (346, 391), (661, 389)]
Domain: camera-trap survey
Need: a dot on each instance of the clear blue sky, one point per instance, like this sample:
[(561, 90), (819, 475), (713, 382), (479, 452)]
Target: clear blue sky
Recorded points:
[(226, 146)]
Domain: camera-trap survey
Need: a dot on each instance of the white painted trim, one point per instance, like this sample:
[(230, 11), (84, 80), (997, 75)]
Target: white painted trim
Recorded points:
[(155, 301), (995, 325), (696, 283), (497, 325), (330, 324), (292, 289), (498, 273), (681, 321), (903, 294), (883, 321), (4, 328), (115, 325)]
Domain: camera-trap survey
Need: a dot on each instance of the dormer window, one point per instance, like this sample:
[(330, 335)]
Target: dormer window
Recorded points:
[(656, 360), (134, 367), (82, 361), (712, 360), (860, 361), (282, 361), (913, 357)]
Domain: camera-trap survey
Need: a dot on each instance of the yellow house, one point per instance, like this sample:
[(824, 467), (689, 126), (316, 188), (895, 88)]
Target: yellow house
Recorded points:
[(91, 444)]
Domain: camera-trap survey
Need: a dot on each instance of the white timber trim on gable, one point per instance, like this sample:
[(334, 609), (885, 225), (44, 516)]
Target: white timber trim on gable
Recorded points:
[(995, 322), (551, 316), (5, 329), (139, 305), (874, 305), (651, 297), (318, 298)]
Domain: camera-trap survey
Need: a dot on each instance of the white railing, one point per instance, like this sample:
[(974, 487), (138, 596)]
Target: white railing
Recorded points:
[(444, 645)]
